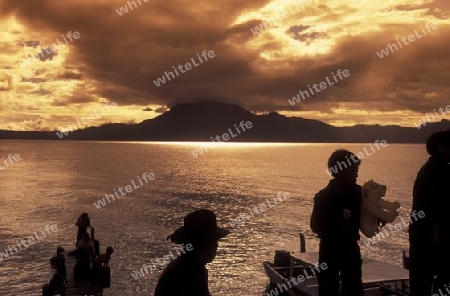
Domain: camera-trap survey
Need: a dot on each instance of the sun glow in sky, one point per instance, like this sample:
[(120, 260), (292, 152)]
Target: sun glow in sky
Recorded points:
[(117, 57)]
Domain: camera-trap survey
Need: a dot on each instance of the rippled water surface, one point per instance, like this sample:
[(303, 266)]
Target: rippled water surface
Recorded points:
[(55, 181)]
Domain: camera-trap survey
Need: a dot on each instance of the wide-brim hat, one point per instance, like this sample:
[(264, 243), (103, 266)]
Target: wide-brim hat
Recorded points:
[(200, 227)]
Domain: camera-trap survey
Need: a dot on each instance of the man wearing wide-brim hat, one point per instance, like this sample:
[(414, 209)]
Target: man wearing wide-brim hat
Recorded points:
[(187, 275)]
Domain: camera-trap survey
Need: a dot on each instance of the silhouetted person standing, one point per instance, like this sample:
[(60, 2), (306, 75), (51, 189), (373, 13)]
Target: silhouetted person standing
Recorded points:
[(187, 274), (61, 263), (56, 286), (85, 250), (335, 219), (83, 222), (429, 236), (100, 261)]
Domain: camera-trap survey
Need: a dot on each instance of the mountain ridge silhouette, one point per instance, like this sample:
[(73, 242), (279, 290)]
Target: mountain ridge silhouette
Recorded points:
[(199, 121)]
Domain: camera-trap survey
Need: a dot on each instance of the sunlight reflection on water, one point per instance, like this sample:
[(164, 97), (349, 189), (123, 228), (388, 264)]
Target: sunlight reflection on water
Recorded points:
[(56, 181)]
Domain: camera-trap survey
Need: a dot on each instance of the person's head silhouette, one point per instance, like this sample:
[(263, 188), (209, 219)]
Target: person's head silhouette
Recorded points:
[(187, 274), (343, 165), (438, 145), (200, 229)]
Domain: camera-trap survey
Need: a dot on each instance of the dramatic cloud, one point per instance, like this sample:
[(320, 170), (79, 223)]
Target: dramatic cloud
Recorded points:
[(123, 48)]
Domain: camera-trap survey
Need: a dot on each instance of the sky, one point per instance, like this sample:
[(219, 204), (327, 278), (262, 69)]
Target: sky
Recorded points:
[(119, 55)]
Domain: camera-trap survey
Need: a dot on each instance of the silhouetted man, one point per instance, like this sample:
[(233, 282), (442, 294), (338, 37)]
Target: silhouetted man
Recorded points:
[(187, 275), (429, 237), (335, 219), (83, 222)]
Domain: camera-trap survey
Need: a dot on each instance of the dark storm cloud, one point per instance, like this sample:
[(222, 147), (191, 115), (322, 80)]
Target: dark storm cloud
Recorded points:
[(299, 28), (30, 43), (308, 37), (34, 80), (296, 33), (45, 54), (125, 54), (77, 98), (70, 75), (161, 110), (42, 92)]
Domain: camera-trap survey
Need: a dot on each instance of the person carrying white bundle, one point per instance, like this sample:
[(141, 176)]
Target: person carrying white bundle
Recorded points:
[(375, 210)]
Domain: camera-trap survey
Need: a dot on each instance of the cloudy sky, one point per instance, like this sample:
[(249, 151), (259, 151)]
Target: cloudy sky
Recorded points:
[(119, 54)]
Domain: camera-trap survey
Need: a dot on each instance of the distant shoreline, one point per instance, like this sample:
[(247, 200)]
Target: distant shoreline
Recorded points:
[(198, 122), (229, 143)]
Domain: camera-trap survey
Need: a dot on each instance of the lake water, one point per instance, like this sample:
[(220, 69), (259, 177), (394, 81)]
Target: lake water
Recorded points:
[(55, 181)]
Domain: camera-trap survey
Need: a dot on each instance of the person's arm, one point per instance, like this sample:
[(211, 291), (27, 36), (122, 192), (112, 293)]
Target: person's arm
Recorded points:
[(64, 273), (425, 198), (320, 215), (102, 259), (316, 217)]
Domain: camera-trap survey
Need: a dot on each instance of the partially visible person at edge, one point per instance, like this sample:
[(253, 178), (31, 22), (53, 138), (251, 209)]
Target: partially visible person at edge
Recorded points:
[(335, 219), (187, 274), (429, 237)]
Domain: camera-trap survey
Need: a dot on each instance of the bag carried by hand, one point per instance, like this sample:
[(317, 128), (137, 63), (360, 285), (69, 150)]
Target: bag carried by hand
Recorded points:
[(104, 277)]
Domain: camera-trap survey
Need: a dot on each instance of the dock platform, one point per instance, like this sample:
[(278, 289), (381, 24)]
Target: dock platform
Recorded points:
[(77, 289)]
